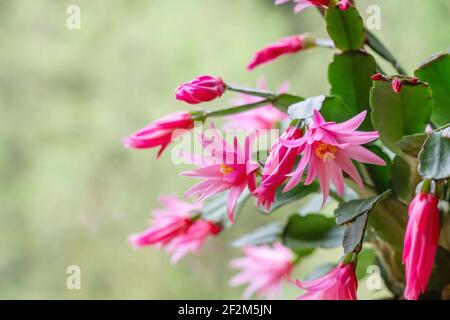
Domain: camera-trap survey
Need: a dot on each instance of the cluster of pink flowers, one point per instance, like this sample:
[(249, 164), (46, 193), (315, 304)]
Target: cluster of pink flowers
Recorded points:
[(324, 150)]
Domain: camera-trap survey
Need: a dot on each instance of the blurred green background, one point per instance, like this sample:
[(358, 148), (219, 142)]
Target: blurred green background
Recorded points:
[(70, 193)]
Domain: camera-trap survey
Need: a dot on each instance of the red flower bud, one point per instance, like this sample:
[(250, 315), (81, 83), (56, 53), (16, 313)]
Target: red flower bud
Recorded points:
[(397, 85), (377, 77), (201, 89), (414, 80)]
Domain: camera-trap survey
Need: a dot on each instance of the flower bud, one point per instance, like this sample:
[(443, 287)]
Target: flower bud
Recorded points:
[(397, 85), (287, 45), (377, 77), (201, 89)]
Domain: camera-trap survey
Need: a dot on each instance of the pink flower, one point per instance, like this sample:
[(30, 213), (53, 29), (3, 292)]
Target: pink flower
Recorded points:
[(397, 85), (193, 239), (421, 242), (302, 4), (263, 268), (284, 46), (201, 89), (227, 168), (168, 223), (265, 117), (339, 284), (160, 132), (327, 149), (280, 162)]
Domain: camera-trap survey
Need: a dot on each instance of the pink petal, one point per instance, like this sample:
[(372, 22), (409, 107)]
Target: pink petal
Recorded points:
[(363, 155), (233, 197)]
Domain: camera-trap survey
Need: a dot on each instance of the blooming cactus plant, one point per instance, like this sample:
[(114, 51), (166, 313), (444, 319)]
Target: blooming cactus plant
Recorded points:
[(376, 149)]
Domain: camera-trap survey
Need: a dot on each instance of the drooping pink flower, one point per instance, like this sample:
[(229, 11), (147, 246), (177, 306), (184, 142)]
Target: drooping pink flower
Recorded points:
[(168, 223), (265, 117), (280, 162), (201, 89), (302, 4), (287, 45), (263, 268), (339, 284), (226, 168), (397, 85), (193, 239), (327, 149), (421, 243), (160, 132)]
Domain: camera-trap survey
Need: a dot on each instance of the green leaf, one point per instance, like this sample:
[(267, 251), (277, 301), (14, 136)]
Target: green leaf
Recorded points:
[(311, 231), (350, 210), (411, 144), (366, 258), (404, 177), (349, 76), (354, 233), (283, 101), (263, 235), (215, 208), (434, 159), (440, 276), (336, 110), (380, 175), (332, 108), (399, 114), (436, 71), (346, 28), (299, 192)]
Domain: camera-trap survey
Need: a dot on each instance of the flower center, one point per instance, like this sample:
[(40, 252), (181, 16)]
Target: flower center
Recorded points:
[(224, 169), (325, 151)]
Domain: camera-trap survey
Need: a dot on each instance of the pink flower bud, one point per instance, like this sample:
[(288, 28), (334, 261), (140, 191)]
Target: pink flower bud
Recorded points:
[(160, 132), (377, 77), (414, 80), (284, 46), (397, 85), (201, 89), (421, 242)]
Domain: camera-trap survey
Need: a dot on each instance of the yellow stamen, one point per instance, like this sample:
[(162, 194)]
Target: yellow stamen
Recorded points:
[(224, 169), (325, 151)]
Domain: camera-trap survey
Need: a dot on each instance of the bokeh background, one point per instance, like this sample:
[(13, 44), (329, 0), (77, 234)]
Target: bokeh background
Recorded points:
[(70, 193)]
